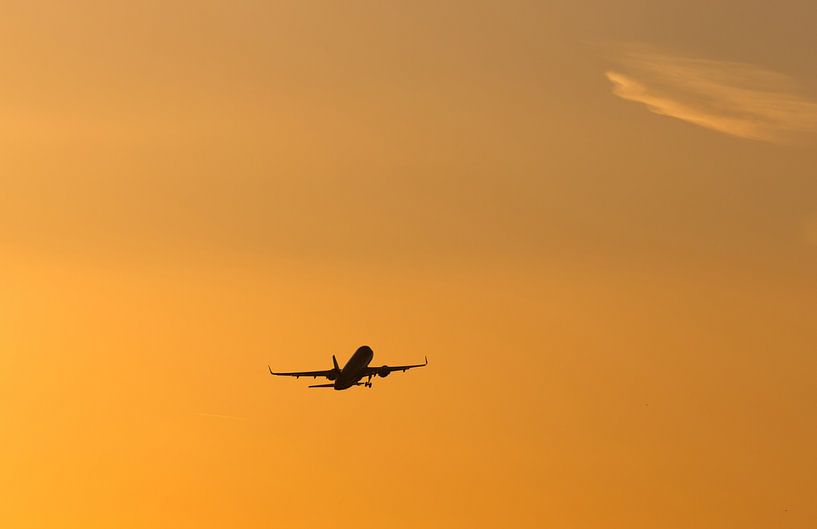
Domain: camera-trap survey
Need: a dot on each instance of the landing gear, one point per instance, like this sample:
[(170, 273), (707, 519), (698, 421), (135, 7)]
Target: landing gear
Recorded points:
[(368, 383)]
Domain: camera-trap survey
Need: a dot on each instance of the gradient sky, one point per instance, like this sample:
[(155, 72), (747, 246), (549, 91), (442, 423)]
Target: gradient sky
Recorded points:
[(598, 220)]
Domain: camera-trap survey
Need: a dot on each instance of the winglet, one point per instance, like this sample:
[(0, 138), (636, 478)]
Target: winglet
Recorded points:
[(426, 361), (270, 369)]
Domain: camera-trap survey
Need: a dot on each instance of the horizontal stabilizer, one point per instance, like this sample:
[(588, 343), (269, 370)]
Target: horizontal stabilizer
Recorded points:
[(323, 386)]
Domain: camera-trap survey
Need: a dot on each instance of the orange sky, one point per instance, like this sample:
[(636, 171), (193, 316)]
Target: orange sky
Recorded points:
[(597, 221)]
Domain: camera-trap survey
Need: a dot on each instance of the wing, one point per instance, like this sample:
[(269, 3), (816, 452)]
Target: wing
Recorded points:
[(327, 373), (385, 370)]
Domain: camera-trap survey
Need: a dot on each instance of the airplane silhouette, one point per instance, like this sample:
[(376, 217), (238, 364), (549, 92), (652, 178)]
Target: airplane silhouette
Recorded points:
[(352, 373)]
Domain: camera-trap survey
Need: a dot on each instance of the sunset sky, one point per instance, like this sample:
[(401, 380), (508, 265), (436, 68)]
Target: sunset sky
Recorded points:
[(597, 219)]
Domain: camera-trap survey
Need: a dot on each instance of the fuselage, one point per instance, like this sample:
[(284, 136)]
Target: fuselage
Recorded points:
[(353, 370)]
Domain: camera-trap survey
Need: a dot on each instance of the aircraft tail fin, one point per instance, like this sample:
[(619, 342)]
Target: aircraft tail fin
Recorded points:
[(335, 361)]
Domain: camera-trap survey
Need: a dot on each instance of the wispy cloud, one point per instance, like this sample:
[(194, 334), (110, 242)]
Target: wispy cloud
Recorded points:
[(734, 98)]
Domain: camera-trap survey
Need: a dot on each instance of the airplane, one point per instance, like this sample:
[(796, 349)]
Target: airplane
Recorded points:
[(356, 369)]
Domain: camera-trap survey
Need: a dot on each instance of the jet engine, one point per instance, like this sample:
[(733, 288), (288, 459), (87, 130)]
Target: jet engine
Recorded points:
[(383, 372), (332, 375)]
